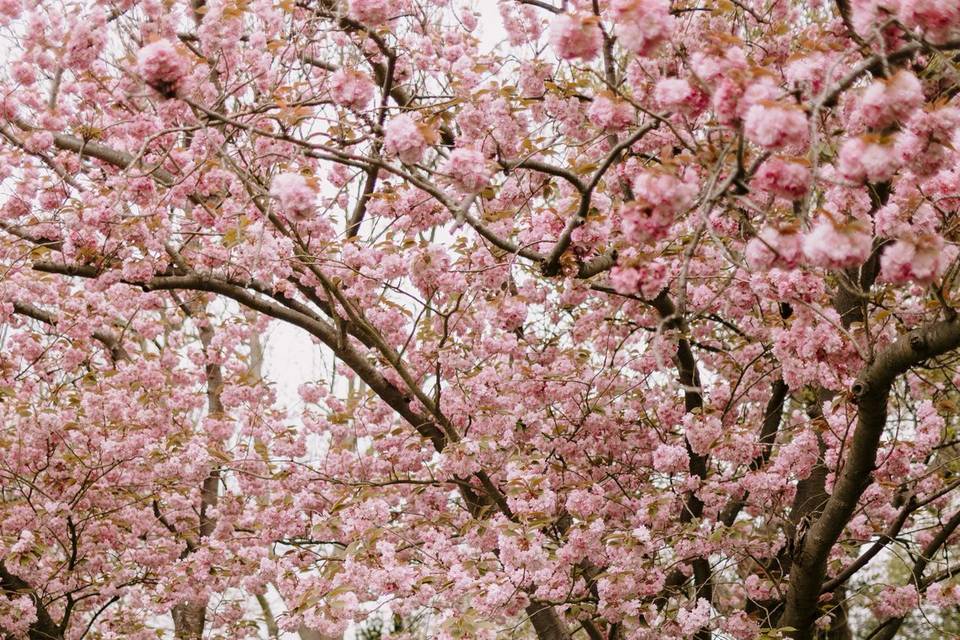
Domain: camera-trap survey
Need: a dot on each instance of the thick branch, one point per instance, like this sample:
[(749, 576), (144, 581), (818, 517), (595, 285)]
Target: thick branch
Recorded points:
[(871, 391), (44, 628)]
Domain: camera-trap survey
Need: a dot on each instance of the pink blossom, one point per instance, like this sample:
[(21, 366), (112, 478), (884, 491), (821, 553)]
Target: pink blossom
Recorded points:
[(404, 138), (575, 36), (702, 432), (23, 73), (774, 248), (161, 65), (677, 94), (887, 101), (836, 246), (39, 141), (468, 168), (894, 602), (726, 101), (659, 198), (610, 114), (938, 19), (646, 278), (920, 259), (692, 620), (642, 25), (785, 178), (17, 615), (643, 223), (664, 191), (669, 458), (351, 89), (85, 44), (774, 125), (926, 145), (943, 595), (370, 12), (295, 195), (10, 8), (24, 543), (710, 68), (867, 159), (930, 426), (741, 626), (808, 72), (798, 457)]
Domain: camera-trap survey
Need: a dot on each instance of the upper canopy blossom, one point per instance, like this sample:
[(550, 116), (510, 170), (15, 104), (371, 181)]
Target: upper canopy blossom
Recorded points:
[(161, 64), (642, 25), (294, 194), (370, 12), (575, 36)]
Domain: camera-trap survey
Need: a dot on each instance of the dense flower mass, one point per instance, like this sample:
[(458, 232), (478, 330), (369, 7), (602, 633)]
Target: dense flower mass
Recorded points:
[(351, 89), (476, 319), (888, 101), (295, 196), (370, 12), (468, 169), (642, 25), (774, 125), (922, 259), (783, 177), (837, 246), (404, 138), (610, 113), (574, 36), (160, 64), (774, 247)]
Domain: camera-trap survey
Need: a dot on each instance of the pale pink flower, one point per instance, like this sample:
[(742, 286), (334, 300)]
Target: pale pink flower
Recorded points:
[(798, 457), (774, 125), (296, 197), (808, 72), (351, 89), (741, 626), (370, 12), (403, 137), (702, 432), (468, 168), (610, 114), (161, 65), (659, 198), (575, 36), (642, 25), (726, 101), (23, 73), (895, 601), (692, 620), (10, 8), (774, 248), (887, 101), (943, 595), (785, 178), (920, 259), (671, 458), (938, 19), (663, 190), (17, 615), (642, 223), (867, 159), (836, 246), (677, 94)]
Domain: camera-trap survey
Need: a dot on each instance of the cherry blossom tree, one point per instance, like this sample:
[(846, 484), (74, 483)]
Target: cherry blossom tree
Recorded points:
[(642, 322)]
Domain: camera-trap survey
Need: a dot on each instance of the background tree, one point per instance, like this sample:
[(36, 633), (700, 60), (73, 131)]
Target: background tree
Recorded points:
[(642, 321)]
